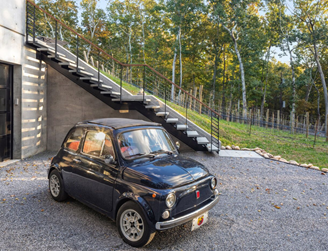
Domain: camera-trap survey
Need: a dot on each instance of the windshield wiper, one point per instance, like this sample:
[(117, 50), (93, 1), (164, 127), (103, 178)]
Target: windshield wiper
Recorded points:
[(142, 155), (162, 151)]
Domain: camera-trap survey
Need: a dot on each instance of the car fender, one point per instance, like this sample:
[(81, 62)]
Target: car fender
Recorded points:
[(52, 167), (126, 196)]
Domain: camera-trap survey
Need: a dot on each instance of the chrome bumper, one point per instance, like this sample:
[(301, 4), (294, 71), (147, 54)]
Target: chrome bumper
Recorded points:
[(183, 219)]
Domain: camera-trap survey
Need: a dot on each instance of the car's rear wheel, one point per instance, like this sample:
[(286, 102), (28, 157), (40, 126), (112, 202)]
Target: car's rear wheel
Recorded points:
[(132, 225), (56, 186)]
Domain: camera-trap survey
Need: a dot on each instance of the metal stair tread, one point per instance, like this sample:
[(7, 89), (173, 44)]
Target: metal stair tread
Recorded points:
[(192, 134), (127, 99), (81, 72), (61, 58), (182, 127), (101, 86), (152, 106), (115, 93), (91, 79), (212, 148), (172, 120), (50, 50), (160, 114), (70, 65), (202, 140)]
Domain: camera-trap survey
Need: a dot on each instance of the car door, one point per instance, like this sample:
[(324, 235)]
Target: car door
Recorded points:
[(68, 155), (94, 178)]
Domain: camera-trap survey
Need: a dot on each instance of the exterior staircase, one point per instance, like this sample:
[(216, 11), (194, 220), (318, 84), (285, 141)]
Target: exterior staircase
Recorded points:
[(94, 81)]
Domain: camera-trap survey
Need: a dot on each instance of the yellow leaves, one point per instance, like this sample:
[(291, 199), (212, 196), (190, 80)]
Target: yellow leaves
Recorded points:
[(276, 206), (3, 199), (42, 210)]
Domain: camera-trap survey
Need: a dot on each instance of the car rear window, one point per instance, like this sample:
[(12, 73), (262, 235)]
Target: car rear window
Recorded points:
[(74, 139)]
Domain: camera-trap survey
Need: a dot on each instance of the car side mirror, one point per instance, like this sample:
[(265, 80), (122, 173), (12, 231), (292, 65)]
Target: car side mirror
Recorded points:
[(109, 159), (177, 144)]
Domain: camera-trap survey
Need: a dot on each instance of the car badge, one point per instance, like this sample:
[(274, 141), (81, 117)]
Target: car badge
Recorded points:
[(197, 194)]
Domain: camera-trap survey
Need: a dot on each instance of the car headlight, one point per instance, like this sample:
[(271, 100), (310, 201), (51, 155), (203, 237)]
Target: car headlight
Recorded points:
[(170, 200), (213, 183)]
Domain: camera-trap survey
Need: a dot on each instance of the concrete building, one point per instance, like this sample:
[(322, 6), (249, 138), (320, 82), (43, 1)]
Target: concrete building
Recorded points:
[(39, 102)]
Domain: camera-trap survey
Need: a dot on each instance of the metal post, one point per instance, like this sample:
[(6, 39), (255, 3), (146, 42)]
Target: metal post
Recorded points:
[(56, 40), (165, 98), (121, 83), (98, 68), (26, 37), (186, 114), (34, 24), (144, 84), (211, 130), (77, 53)]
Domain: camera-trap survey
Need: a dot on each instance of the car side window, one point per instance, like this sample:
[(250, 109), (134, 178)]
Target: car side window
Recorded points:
[(74, 139), (93, 143), (108, 148)]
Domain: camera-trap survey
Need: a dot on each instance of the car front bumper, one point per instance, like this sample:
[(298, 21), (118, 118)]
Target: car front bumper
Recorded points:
[(183, 219)]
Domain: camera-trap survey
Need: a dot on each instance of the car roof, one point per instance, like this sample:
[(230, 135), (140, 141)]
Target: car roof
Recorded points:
[(117, 123)]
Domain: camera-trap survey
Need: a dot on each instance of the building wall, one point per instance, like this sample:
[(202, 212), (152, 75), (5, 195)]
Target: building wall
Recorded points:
[(29, 86), (68, 104), (34, 105)]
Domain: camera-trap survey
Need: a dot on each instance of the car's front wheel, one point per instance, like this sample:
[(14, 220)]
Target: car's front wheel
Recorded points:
[(56, 186), (132, 225)]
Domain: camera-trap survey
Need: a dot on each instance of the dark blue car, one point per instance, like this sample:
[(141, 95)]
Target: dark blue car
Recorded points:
[(131, 171)]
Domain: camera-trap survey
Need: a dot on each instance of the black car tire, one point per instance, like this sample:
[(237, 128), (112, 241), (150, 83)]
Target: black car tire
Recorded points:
[(56, 186), (146, 237)]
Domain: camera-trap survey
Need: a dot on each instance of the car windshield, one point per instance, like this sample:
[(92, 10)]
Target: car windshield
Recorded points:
[(144, 142)]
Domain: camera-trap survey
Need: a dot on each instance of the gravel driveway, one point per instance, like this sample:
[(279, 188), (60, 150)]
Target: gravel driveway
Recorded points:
[(264, 205)]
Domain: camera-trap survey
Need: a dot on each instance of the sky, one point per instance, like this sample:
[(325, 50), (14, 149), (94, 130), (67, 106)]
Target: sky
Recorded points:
[(102, 4)]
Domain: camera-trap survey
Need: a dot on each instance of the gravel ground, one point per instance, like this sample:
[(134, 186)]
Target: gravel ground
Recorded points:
[(265, 205)]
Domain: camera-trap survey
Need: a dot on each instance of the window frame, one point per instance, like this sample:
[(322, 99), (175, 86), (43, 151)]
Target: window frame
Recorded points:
[(69, 135), (100, 157)]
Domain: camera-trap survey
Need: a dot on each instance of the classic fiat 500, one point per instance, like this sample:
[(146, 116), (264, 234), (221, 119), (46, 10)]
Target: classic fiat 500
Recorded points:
[(131, 171)]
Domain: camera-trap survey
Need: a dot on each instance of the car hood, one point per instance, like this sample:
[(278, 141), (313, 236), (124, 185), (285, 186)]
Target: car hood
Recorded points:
[(166, 172)]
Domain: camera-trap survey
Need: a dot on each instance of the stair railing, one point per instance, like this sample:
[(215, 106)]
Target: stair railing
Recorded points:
[(39, 26)]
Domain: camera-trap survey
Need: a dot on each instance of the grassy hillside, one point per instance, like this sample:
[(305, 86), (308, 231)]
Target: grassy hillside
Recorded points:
[(290, 146)]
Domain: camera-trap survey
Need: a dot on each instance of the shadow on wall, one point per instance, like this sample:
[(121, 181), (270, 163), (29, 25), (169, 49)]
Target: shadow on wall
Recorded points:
[(34, 110)]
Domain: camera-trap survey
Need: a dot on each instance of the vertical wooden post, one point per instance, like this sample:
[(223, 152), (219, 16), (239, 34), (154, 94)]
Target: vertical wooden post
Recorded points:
[(327, 130), (189, 98), (307, 123), (85, 57), (278, 119), (267, 118), (102, 67), (272, 120), (200, 98), (258, 117), (92, 62), (195, 95)]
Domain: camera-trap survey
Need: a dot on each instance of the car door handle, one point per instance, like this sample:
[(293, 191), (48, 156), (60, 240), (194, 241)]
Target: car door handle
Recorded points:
[(77, 161)]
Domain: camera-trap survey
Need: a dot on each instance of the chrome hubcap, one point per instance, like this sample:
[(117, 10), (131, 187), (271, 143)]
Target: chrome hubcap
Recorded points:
[(132, 225), (54, 185)]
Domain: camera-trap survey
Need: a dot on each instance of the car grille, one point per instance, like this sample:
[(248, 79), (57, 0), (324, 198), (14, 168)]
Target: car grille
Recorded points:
[(186, 199)]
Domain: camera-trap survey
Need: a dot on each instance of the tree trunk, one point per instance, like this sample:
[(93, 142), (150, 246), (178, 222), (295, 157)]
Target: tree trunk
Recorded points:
[(266, 83), (292, 117), (214, 74), (242, 75), (173, 73), (224, 81), (323, 81), (180, 62)]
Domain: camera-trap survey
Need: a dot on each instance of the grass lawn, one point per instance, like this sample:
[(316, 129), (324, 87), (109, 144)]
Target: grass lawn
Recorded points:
[(290, 146)]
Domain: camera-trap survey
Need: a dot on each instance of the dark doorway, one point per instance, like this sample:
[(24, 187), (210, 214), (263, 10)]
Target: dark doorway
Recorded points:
[(5, 111)]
